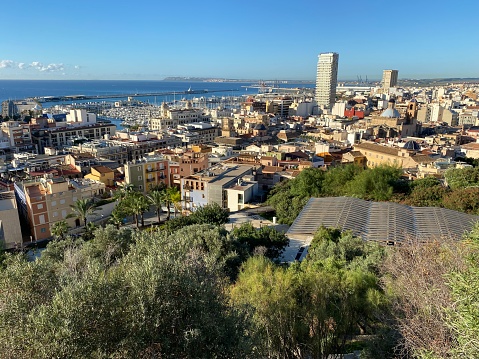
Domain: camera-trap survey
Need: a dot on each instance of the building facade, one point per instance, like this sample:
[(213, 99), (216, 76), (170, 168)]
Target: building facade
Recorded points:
[(49, 200), (390, 79), (210, 186), (327, 79), (10, 233), (148, 173)]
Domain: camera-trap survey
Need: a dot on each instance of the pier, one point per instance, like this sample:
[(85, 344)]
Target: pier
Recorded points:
[(125, 95)]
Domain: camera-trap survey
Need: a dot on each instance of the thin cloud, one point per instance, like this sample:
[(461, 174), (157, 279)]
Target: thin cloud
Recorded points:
[(6, 64), (36, 65), (47, 68)]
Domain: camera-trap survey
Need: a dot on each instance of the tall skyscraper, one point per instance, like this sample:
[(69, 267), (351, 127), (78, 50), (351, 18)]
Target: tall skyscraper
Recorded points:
[(390, 78), (327, 79)]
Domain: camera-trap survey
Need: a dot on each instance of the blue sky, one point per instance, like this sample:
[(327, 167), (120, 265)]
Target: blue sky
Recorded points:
[(248, 39)]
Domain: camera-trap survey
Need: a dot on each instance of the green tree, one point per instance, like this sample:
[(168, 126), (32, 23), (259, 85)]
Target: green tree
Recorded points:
[(170, 195), (175, 197), (463, 199), (123, 190), (136, 204), (59, 229), (269, 292), (271, 240), (210, 214), (427, 192), (286, 205), (336, 179), (151, 297), (309, 183), (81, 209), (156, 198), (462, 177), (312, 309), (375, 184), (117, 216)]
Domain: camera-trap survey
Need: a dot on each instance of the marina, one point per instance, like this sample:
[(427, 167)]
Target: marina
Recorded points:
[(43, 99)]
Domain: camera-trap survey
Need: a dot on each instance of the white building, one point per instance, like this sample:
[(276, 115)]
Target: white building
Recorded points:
[(339, 108), (80, 117), (327, 79), (240, 194)]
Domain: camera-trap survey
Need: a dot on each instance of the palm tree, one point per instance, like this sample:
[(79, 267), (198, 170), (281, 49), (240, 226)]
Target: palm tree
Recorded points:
[(123, 190), (175, 197), (137, 205), (155, 198), (116, 218), (171, 195), (81, 209), (59, 229), (89, 229)]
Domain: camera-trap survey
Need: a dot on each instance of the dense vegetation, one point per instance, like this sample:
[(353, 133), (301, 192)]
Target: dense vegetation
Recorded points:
[(382, 183), (197, 291), (189, 289)]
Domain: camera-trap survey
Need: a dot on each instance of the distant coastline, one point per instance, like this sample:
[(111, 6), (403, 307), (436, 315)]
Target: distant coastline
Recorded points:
[(213, 79)]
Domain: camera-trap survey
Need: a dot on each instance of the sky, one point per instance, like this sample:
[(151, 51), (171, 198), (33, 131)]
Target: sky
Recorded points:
[(247, 39)]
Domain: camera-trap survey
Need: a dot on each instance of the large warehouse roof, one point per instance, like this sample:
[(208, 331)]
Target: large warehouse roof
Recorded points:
[(380, 221)]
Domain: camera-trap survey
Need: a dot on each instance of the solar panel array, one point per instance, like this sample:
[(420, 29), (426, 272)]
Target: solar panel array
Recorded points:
[(381, 221)]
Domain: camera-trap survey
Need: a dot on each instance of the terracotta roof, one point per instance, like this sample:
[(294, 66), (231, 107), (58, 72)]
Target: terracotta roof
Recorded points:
[(103, 169), (272, 169), (471, 146), (356, 154), (377, 148), (420, 158), (305, 163)]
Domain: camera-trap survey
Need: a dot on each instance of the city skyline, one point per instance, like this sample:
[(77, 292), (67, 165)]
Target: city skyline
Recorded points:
[(251, 40)]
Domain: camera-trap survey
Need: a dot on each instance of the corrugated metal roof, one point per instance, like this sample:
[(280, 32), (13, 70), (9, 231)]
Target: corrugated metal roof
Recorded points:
[(380, 221)]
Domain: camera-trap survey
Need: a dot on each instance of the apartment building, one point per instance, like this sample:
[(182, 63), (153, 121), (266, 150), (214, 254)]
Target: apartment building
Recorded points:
[(59, 137), (48, 201), (172, 118), (148, 173)]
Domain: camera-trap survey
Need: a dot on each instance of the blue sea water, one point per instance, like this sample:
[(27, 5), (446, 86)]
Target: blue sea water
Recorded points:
[(21, 89)]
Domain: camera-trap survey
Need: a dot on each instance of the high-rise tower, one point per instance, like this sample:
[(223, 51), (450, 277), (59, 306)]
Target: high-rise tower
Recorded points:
[(327, 79), (390, 78)]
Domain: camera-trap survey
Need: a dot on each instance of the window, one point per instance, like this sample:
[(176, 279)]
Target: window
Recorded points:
[(55, 214), (39, 206), (43, 230), (54, 203), (62, 201), (140, 178), (140, 187), (64, 213), (74, 199), (41, 218)]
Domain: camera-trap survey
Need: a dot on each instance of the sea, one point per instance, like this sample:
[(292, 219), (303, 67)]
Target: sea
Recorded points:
[(21, 89), (178, 90)]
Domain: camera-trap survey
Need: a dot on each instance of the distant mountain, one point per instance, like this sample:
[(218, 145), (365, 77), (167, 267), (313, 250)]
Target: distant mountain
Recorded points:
[(213, 79)]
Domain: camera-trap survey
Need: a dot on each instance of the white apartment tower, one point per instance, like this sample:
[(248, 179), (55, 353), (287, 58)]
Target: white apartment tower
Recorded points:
[(327, 79), (390, 78)]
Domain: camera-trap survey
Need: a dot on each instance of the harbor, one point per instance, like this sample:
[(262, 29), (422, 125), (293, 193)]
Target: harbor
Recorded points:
[(42, 99)]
